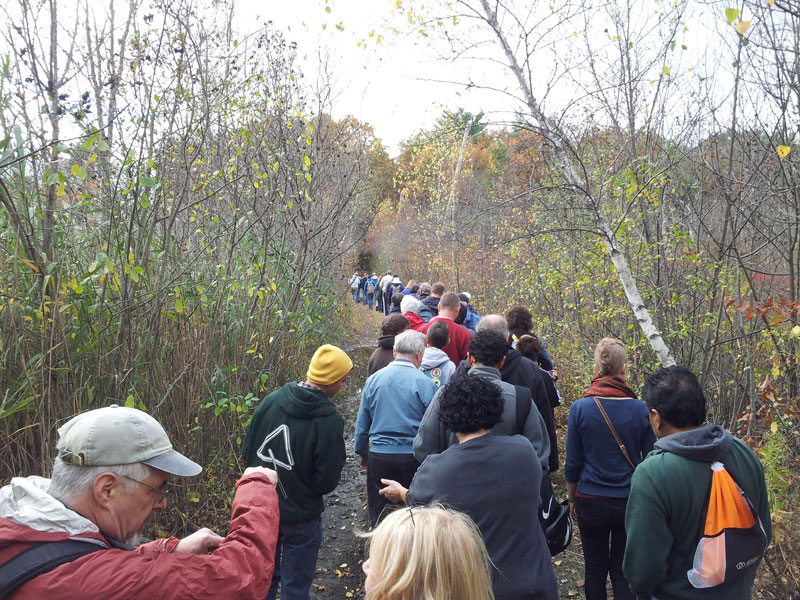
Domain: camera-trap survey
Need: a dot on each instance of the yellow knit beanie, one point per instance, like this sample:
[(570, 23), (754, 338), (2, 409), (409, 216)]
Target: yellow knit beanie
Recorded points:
[(328, 365)]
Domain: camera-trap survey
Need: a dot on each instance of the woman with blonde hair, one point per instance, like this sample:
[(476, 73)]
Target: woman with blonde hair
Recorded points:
[(427, 554), (608, 434)]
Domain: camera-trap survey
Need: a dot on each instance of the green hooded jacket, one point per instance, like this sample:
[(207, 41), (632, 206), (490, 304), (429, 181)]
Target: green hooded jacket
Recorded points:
[(666, 506), (305, 435)]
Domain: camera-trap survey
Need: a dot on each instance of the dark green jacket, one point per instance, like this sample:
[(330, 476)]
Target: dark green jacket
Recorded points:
[(666, 507), (305, 433)]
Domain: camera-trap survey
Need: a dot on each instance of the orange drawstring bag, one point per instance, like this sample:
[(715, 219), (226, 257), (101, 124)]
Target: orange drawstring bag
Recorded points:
[(733, 537)]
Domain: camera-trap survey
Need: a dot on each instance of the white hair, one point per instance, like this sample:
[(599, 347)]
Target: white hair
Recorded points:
[(69, 482), (409, 343), (409, 304), (495, 323)]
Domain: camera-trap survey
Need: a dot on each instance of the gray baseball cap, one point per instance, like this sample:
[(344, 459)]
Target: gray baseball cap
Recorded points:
[(117, 435)]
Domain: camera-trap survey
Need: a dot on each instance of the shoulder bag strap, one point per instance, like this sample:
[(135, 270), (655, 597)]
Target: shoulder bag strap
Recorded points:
[(614, 432), (39, 559), (524, 402)]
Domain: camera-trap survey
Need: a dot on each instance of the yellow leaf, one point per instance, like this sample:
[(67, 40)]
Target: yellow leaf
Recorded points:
[(783, 151), (774, 427), (742, 27), (771, 2), (328, 9), (796, 330), (274, 287)]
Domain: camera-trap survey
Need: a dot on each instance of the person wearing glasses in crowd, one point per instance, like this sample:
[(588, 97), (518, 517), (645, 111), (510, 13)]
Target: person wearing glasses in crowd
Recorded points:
[(431, 553), (77, 534)]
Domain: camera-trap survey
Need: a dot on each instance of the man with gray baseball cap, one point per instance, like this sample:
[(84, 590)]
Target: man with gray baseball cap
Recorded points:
[(77, 530)]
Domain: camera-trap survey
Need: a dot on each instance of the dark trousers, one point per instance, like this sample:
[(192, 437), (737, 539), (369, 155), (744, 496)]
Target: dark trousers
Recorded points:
[(296, 559), (400, 467), (601, 520)]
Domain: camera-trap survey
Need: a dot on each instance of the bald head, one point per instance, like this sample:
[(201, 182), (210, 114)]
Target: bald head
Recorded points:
[(496, 323)]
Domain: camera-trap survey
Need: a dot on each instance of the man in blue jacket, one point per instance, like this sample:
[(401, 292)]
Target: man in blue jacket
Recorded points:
[(392, 405)]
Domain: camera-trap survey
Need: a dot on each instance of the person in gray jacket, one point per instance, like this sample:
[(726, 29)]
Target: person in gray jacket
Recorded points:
[(486, 354), (435, 363)]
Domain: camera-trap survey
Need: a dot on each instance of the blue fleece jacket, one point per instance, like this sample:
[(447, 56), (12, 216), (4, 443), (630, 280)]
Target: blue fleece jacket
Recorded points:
[(392, 405), (594, 459)]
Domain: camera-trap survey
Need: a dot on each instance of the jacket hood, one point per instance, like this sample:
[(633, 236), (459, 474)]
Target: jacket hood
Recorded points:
[(487, 372), (386, 341), (513, 357), (415, 321), (303, 403), (432, 358), (706, 444), (25, 501)]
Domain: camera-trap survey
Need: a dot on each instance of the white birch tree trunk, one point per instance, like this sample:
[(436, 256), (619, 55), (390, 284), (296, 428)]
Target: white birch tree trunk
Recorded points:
[(615, 253)]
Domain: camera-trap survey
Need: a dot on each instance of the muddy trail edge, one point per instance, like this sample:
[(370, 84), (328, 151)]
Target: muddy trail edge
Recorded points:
[(339, 573)]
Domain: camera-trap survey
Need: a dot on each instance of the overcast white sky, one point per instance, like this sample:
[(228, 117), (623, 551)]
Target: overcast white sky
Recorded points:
[(381, 85)]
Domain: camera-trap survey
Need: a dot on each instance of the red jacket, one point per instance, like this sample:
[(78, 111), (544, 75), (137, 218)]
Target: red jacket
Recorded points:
[(416, 321), (460, 336), (241, 567)]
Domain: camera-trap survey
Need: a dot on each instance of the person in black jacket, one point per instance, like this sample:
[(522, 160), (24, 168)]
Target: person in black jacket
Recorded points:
[(520, 371)]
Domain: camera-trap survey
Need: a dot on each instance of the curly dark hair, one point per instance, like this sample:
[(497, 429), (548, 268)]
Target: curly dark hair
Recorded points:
[(519, 319), (470, 403), (488, 348)]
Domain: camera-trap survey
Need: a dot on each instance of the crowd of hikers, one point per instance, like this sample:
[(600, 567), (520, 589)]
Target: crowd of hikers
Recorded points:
[(456, 432)]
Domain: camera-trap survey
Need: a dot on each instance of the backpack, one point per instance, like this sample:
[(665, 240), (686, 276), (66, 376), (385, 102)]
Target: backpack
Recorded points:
[(40, 558), (558, 527), (371, 286), (435, 373), (732, 537), (556, 522), (425, 313), (396, 287)]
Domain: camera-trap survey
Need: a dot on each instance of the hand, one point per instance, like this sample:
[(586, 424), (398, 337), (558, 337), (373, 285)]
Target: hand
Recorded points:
[(554, 375), (272, 475), (573, 510), (201, 541), (394, 492), (364, 462)]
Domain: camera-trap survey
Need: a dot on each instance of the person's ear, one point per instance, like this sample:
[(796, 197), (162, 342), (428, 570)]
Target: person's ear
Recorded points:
[(104, 487), (624, 369), (656, 422), (470, 360), (502, 362)]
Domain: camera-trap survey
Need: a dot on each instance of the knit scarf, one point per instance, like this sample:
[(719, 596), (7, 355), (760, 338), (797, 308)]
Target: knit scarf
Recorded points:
[(608, 386)]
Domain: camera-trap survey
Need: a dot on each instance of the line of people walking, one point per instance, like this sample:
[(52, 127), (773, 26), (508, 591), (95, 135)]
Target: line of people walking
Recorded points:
[(458, 456), (481, 439)]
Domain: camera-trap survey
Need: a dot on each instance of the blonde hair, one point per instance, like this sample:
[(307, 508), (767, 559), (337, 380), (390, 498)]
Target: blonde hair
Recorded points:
[(428, 554), (610, 356)]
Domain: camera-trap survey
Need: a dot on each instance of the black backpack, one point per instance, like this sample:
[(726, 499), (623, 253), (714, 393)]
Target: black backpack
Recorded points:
[(41, 558), (557, 524)]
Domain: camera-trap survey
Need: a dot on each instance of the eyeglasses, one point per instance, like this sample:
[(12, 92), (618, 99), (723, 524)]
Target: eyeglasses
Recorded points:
[(162, 491)]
